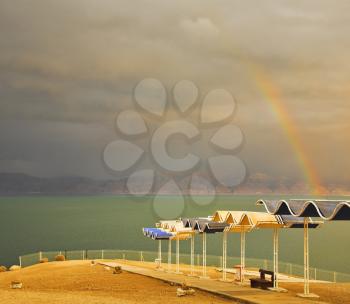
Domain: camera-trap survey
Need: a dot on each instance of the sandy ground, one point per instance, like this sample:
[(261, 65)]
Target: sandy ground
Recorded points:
[(329, 292), (78, 282)]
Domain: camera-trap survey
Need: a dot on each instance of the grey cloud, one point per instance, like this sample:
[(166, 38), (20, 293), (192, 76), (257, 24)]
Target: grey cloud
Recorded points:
[(70, 62)]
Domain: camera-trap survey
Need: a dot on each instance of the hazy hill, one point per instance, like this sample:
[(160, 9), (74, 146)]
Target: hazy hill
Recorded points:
[(22, 184)]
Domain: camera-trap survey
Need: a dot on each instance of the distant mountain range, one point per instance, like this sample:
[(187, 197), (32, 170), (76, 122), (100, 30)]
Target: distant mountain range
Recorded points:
[(22, 184)]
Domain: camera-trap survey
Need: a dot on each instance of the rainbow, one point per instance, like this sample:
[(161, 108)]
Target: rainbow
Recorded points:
[(274, 98)]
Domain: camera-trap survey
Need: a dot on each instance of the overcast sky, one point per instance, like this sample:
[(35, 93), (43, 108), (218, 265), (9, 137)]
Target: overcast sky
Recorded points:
[(68, 67)]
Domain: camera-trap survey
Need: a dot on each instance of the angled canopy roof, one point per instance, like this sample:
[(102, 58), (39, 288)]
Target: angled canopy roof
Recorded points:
[(191, 222), (330, 210), (206, 225), (157, 234), (240, 221), (220, 216), (148, 231), (213, 227), (161, 235), (247, 220), (166, 224), (290, 221)]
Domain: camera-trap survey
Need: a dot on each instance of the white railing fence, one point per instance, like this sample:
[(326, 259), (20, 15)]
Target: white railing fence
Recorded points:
[(215, 261)]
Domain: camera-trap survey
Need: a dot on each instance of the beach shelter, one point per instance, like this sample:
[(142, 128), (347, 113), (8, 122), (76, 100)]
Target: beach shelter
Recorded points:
[(190, 223), (159, 235), (236, 224), (220, 216), (247, 221), (180, 233), (289, 222), (187, 224), (329, 210), (204, 226), (166, 225)]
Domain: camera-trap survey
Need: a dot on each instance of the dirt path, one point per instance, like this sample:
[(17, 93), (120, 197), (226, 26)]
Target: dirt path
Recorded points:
[(329, 292)]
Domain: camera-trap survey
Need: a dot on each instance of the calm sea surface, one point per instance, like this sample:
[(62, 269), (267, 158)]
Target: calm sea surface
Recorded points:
[(31, 224)]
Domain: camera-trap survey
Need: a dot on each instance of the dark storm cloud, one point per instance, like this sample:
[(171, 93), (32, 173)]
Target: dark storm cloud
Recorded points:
[(66, 65)]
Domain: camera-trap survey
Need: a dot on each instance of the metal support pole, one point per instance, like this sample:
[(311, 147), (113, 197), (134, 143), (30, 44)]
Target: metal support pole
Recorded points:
[(306, 257), (177, 255), (275, 257), (306, 293), (192, 254), (160, 253), (169, 255), (204, 271), (224, 255), (275, 263), (242, 255)]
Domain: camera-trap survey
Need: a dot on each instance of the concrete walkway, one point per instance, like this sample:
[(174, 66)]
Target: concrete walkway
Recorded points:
[(240, 294)]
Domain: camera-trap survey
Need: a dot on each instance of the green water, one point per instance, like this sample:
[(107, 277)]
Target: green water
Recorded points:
[(31, 224)]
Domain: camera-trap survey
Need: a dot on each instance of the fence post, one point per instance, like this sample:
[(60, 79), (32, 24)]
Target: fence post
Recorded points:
[(40, 256), (123, 256), (20, 261), (290, 269), (335, 277), (102, 254), (315, 273), (141, 256)]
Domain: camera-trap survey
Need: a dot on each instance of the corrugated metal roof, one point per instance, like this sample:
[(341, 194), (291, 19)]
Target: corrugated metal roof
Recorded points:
[(330, 210)]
